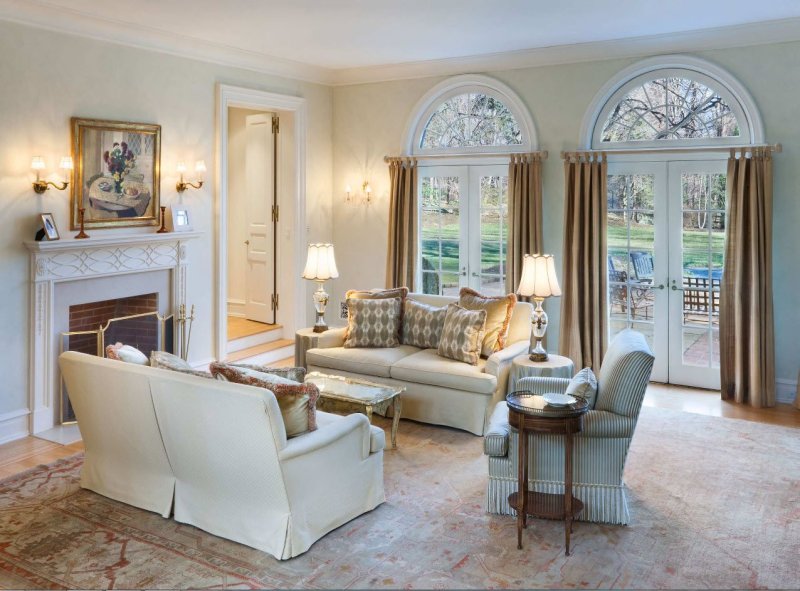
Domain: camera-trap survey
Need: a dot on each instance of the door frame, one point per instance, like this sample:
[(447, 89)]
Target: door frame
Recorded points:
[(247, 98)]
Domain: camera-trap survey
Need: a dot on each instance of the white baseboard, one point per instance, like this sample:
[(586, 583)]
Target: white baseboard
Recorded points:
[(14, 425), (785, 391), (236, 308)]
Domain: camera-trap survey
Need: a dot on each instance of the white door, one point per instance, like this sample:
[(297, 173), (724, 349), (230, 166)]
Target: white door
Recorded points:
[(665, 235), (697, 248), (463, 229), (259, 172)]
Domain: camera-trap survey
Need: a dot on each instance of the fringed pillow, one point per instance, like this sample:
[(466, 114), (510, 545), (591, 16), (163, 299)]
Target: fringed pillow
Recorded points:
[(498, 316)]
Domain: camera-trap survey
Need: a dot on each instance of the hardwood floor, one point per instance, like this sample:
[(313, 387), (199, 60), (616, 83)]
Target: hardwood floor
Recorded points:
[(242, 327), (23, 454)]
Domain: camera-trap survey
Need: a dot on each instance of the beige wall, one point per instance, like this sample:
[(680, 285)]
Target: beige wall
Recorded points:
[(370, 121), (46, 78)]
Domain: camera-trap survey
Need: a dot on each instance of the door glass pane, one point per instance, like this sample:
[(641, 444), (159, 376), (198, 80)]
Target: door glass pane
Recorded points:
[(440, 201), (493, 213), (702, 256), (631, 257)]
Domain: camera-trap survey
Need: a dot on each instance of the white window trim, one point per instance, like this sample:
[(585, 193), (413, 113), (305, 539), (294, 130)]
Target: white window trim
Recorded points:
[(469, 83), (730, 89)]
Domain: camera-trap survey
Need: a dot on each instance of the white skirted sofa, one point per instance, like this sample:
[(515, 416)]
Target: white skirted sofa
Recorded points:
[(440, 391), (215, 454), (599, 451)]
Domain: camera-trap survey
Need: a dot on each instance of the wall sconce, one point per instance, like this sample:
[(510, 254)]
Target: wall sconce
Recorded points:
[(199, 168), (40, 186), (366, 191)]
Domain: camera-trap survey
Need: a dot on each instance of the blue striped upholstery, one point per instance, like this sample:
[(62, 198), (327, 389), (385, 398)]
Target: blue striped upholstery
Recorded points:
[(600, 449)]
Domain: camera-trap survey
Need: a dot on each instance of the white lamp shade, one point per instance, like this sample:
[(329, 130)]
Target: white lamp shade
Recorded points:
[(320, 264), (200, 166), (66, 163), (180, 167), (539, 276), (37, 163)]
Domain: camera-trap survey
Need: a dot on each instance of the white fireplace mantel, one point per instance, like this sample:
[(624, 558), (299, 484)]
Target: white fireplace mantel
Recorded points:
[(57, 261)]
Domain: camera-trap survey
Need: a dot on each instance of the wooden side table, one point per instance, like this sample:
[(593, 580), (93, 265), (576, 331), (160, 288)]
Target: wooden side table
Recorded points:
[(529, 413), (556, 366)]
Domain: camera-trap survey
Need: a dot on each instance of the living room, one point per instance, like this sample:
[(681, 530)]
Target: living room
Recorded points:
[(369, 158)]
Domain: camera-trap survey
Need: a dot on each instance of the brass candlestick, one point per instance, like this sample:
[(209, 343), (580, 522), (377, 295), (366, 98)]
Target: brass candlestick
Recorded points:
[(81, 234), (163, 228)]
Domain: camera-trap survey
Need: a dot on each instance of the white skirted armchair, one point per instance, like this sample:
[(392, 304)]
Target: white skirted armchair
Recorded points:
[(600, 449)]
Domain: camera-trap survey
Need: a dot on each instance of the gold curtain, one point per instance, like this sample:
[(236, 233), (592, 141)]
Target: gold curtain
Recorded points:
[(584, 330), (746, 331), (402, 252), (524, 213)]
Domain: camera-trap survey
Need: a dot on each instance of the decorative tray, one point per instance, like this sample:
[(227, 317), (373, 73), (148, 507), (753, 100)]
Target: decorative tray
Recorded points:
[(535, 404)]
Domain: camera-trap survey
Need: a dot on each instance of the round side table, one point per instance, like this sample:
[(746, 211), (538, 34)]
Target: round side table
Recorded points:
[(556, 366), (304, 339)]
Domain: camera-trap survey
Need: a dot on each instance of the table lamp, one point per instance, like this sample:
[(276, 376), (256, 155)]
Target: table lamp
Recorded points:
[(539, 281), (320, 266)]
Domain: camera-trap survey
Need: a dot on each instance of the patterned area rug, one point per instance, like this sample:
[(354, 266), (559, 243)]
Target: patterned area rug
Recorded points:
[(715, 503)]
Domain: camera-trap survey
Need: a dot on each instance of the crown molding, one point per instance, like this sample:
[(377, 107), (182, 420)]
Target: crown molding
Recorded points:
[(43, 15), (761, 33)]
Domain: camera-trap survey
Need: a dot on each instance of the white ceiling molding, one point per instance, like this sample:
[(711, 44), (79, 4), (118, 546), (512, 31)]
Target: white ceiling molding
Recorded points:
[(65, 21), (45, 15), (767, 32)]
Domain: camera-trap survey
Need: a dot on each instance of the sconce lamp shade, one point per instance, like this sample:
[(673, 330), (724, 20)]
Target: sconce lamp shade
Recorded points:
[(37, 163), (180, 167), (200, 167), (66, 163), (321, 264), (539, 277)]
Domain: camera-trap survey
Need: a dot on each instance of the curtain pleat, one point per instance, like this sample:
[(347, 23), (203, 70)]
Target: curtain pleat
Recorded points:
[(584, 330), (402, 252), (524, 214), (746, 330)]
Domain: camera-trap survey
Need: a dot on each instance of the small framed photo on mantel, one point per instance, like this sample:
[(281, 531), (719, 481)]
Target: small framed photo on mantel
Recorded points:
[(49, 226), (180, 219)]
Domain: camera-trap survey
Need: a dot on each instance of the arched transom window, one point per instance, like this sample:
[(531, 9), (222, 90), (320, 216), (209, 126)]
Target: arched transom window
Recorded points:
[(670, 108), (470, 120)]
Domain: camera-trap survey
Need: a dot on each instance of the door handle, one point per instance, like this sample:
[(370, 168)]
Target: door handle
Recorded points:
[(675, 287), (660, 286), (474, 274), (463, 272), (247, 242)]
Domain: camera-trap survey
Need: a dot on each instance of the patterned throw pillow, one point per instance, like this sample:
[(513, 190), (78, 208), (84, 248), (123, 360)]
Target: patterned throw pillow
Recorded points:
[(298, 402), (295, 374), (373, 323), (164, 360), (126, 353), (584, 384), (498, 315), (377, 294), (462, 334), (422, 324)]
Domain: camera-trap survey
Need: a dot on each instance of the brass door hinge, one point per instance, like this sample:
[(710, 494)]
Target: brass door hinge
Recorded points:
[(276, 124), (275, 302), (276, 213)]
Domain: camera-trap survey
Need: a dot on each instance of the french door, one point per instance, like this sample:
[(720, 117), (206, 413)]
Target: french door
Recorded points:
[(463, 228), (666, 236)]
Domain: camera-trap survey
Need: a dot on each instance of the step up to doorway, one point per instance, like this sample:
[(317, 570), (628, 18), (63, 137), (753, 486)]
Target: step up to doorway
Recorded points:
[(252, 334), (265, 353)]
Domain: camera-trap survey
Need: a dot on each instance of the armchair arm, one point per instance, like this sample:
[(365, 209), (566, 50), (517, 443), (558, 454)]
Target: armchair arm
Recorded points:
[(501, 360), (495, 441), (538, 385), (326, 435), (602, 423), (333, 337)]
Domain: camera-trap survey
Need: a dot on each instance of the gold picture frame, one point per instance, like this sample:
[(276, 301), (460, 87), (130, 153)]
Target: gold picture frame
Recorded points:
[(117, 175)]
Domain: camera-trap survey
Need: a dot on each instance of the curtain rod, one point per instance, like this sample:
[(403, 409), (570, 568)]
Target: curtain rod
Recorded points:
[(542, 154), (778, 148)]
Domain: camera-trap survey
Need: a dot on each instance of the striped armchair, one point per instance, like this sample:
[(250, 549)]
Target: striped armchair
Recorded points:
[(600, 449)]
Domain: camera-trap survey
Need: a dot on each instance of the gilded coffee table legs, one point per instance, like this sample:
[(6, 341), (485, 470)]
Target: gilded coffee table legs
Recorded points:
[(567, 487), (397, 408), (522, 487)]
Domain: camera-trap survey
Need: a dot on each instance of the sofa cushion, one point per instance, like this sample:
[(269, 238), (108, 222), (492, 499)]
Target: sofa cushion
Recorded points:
[(164, 360), (584, 384), (427, 367), (462, 334), (373, 323), (376, 294), (367, 361), (498, 315), (126, 353), (422, 324)]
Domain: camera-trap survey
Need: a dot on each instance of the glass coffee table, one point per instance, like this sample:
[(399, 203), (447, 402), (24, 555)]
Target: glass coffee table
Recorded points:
[(343, 395)]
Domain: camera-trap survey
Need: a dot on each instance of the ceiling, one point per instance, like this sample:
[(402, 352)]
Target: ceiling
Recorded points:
[(351, 34)]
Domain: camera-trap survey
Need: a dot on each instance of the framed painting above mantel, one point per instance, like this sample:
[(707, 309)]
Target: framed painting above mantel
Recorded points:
[(117, 173)]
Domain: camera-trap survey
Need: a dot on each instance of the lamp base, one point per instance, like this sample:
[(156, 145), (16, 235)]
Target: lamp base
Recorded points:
[(539, 320), (538, 353), (320, 301)]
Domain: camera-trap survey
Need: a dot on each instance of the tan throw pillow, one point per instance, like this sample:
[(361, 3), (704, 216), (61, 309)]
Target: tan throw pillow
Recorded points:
[(377, 294), (126, 353), (584, 384), (462, 334), (422, 324), (373, 323), (498, 315), (164, 360), (296, 374), (298, 402)]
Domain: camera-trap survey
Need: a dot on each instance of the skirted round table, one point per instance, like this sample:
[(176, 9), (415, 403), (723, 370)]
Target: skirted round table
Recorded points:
[(556, 366)]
